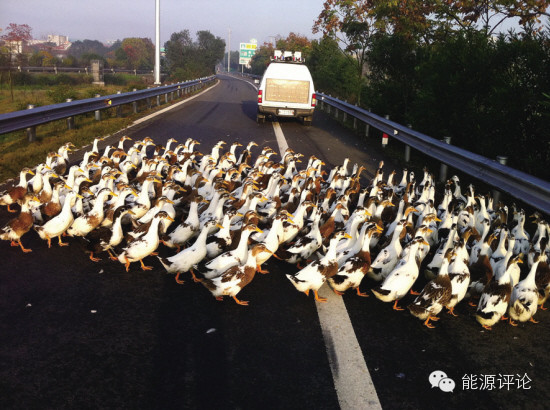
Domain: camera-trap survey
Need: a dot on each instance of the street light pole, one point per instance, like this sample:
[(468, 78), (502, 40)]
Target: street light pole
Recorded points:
[(157, 41), (229, 51)]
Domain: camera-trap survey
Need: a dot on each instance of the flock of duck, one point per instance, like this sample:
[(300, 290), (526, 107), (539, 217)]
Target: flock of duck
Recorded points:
[(223, 216)]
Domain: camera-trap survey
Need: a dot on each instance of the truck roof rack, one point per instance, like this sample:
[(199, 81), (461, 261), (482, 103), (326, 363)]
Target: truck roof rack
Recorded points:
[(288, 57)]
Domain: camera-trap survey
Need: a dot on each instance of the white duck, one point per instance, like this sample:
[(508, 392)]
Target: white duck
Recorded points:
[(525, 296), (387, 258), (459, 273), (314, 275), (235, 278), (237, 256), (143, 246), (435, 295), (56, 226), (495, 298), (352, 271), (185, 260), (86, 223), (401, 279), (189, 227)]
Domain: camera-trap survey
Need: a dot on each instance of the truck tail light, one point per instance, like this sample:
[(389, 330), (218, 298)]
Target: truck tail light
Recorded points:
[(260, 98), (313, 100)]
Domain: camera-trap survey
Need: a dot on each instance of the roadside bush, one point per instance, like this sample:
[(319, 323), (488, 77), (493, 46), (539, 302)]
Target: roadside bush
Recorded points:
[(137, 85), (92, 92), (60, 93)]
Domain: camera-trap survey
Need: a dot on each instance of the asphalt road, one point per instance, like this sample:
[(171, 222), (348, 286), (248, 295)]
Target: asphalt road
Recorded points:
[(79, 334)]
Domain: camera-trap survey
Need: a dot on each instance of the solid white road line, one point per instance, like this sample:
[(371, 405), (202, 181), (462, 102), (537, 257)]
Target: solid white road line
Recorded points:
[(351, 376), (281, 140), (350, 373)]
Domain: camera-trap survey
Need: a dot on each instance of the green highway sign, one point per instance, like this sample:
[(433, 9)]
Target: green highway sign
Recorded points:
[(246, 51)]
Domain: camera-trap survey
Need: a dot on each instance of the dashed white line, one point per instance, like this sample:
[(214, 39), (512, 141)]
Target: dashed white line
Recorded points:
[(351, 376)]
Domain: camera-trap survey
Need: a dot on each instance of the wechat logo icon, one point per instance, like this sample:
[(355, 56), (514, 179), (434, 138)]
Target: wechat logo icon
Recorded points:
[(440, 379)]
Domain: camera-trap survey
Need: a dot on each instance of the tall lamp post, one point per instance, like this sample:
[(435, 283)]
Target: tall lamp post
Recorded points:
[(157, 41)]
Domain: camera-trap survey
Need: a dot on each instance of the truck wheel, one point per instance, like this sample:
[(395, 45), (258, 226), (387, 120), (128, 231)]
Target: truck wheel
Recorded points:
[(260, 119), (308, 121)]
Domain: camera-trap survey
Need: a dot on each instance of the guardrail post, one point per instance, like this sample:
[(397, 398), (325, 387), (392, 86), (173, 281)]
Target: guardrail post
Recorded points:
[(135, 103), (496, 193), (408, 148), (70, 120), (158, 100), (345, 115), (97, 112), (119, 107), (355, 121), (385, 137), (443, 168), (166, 98), (31, 131), (367, 127)]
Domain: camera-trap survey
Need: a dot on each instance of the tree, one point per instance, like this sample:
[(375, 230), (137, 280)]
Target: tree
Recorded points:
[(351, 24), (80, 48), (137, 53), (210, 50), (295, 42), (17, 32), (490, 14), (260, 60), (178, 49), (16, 35), (187, 59), (332, 71)]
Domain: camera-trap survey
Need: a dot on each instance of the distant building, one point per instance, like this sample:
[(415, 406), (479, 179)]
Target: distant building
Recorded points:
[(57, 39)]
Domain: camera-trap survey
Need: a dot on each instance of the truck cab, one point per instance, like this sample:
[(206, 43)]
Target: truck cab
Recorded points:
[(286, 89)]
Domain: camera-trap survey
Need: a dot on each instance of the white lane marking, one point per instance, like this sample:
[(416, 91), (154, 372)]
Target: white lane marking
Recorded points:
[(350, 373), (143, 119), (351, 376), (242, 79), (281, 140)]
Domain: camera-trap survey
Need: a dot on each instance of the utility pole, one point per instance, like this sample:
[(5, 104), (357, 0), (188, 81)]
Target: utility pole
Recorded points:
[(229, 51), (157, 42)]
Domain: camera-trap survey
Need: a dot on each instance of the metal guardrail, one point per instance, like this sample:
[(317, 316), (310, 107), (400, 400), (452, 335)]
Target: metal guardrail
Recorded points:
[(85, 70), (25, 119), (527, 188)]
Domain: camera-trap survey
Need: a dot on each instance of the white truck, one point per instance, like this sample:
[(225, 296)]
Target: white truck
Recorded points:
[(286, 89)]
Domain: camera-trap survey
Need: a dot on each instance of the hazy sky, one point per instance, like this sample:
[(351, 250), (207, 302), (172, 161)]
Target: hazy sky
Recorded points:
[(105, 20)]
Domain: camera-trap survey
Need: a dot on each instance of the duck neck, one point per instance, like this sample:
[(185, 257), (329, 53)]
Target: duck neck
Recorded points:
[(117, 233), (242, 247), (153, 231), (193, 216), (530, 279), (23, 179), (331, 252)]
